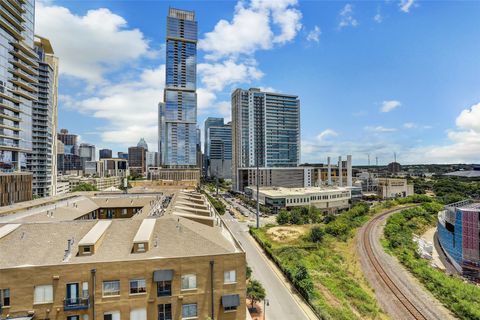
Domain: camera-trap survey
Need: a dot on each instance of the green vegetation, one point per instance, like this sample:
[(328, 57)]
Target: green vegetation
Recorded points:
[(255, 291), (85, 187), (320, 264), (462, 298), (448, 189), (253, 204), (217, 204)]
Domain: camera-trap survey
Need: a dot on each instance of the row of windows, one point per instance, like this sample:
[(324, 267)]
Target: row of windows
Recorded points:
[(44, 293), (313, 198), (189, 310)]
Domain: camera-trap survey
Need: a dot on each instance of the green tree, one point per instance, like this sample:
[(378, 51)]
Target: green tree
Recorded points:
[(248, 272), (316, 234), (283, 217), (255, 291), (85, 187)]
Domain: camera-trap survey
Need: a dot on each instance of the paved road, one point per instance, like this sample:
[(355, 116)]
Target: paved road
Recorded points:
[(423, 300), (284, 303)]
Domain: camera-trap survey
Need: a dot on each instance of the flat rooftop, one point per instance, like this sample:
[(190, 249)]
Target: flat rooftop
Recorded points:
[(31, 237), (285, 192)]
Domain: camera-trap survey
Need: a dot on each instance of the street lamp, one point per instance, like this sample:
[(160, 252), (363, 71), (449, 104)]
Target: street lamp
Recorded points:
[(265, 301)]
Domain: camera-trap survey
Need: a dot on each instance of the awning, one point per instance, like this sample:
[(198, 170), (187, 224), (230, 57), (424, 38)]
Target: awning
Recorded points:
[(163, 275), (22, 318), (230, 300)]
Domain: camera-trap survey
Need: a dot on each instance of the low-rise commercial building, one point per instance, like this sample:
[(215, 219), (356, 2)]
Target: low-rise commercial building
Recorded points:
[(139, 256), (393, 188), (329, 199)]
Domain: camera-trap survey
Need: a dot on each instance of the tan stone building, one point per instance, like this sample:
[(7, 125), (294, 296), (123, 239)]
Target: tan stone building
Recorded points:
[(158, 256)]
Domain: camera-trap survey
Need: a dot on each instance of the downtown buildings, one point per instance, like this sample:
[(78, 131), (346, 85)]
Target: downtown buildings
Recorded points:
[(178, 113), (265, 131), (28, 105), (218, 148)]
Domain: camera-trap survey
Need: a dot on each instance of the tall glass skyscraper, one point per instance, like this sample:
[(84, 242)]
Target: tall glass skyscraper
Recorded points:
[(178, 113), (18, 79)]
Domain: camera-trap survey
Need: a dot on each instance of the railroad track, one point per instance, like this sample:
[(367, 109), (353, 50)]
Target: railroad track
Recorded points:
[(390, 284)]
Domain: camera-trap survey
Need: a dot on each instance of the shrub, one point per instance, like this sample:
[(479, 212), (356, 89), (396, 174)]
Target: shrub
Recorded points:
[(316, 234)]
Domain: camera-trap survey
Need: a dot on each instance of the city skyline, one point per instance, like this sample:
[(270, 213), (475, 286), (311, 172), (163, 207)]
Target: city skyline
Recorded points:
[(351, 62)]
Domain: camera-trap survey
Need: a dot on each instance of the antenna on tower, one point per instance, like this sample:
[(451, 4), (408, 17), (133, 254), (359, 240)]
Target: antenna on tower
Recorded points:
[(368, 154), (395, 157), (376, 161)]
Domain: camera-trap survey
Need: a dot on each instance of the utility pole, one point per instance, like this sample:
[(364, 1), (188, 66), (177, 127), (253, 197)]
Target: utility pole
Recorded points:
[(258, 192)]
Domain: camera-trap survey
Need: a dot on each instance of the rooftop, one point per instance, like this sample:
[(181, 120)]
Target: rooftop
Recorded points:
[(31, 237), (282, 191)]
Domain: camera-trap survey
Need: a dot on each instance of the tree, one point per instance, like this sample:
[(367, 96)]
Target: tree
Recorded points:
[(249, 272), (85, 187), (283, 217), (255, 291), (316, 234)]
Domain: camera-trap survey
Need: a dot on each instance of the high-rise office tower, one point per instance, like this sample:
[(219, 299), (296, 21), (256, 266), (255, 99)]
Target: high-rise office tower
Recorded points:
[(104, 153), (142, 143), (68, 160), (220, 151), (136, 160), (86, 151), (178, 113), (18, 79), (209, 122), (122, 155), (265, 130), (42, 161)]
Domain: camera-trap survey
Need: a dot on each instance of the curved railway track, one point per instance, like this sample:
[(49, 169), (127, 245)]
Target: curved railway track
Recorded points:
[(389, 283)]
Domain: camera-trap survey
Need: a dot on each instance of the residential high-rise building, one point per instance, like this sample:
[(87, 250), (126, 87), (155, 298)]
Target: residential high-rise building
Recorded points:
[(210, 121), (18, 78), (265, 130), (42, 161), (136, 160), (86, 151), (105, 153), (219, 148), (178, 113)]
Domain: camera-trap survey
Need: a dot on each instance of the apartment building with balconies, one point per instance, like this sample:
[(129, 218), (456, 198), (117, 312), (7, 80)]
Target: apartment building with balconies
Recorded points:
[(170, 258)]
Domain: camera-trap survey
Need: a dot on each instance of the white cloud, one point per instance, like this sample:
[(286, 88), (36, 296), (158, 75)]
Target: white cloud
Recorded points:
[(325, 134), (389, 105), (409, 125), (379, 129), (346, 17), (378, 18), (470, 118), (405, 5), (314, 34), (251, 29), (216, 76), (89, 45), (130, 108)]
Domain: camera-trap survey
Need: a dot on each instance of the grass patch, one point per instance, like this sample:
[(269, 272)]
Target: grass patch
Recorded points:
[(462, 298), (322, 265)]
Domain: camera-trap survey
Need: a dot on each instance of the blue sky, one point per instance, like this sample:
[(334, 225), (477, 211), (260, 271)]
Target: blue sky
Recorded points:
[(373, 77)]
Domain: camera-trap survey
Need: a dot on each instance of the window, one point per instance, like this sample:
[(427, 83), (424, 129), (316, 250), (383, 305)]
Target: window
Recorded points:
[(43, 294), (111, 288), (231, 308), (4, 297), (85, 289), (124, 211), (189, 310), (165, 311), (86, 249), (164, 288), (73, 318), (140, 247), (138, 314), (230, 276), (189, 281), (112, 315), (137, 286)]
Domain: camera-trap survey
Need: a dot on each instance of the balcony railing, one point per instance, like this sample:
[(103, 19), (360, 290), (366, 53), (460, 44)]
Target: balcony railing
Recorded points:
[(76, 303)]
